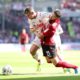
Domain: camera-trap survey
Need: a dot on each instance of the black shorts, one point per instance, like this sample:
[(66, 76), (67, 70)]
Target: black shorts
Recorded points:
[(49, 50)]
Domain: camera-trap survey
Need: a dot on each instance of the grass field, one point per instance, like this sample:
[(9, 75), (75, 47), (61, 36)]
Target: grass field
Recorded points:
[(24, 66)]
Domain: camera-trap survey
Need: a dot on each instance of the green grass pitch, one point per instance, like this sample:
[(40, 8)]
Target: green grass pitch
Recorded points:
[(24, 66)]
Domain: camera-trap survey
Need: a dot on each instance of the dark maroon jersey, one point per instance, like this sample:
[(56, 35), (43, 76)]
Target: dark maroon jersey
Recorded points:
[(49, 33)]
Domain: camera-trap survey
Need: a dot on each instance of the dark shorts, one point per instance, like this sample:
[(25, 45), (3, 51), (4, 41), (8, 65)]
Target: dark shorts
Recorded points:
[(49, 50)]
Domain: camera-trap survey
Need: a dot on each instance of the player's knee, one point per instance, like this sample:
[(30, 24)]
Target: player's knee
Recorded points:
[(32, 52), (55, 62)]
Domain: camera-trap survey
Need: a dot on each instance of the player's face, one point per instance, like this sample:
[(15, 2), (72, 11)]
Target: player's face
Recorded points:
[(53, 16), (29, 15)]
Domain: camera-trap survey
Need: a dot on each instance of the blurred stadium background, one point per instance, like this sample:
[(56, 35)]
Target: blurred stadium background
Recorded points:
[(12, 20)]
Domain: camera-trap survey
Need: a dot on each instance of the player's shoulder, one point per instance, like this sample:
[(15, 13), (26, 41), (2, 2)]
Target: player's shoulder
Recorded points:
[(57, 22)]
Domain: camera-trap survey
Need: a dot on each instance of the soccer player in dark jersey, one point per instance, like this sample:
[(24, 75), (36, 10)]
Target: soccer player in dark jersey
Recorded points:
[(48, 43), (36, 19), (23, 39)]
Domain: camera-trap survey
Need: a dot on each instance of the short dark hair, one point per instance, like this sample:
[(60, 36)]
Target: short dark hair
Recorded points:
[(57, 13), (27, 10)]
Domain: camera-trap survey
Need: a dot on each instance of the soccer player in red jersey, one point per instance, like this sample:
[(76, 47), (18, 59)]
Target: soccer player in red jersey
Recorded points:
[(48, 43), (36, 19), (23, 39)]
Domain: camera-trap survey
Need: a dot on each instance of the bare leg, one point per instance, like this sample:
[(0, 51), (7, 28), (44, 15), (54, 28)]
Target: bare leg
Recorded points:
[(33, 52)]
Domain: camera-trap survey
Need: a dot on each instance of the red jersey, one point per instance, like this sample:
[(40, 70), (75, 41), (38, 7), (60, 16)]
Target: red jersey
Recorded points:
[(49, 33), (23, 38)]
